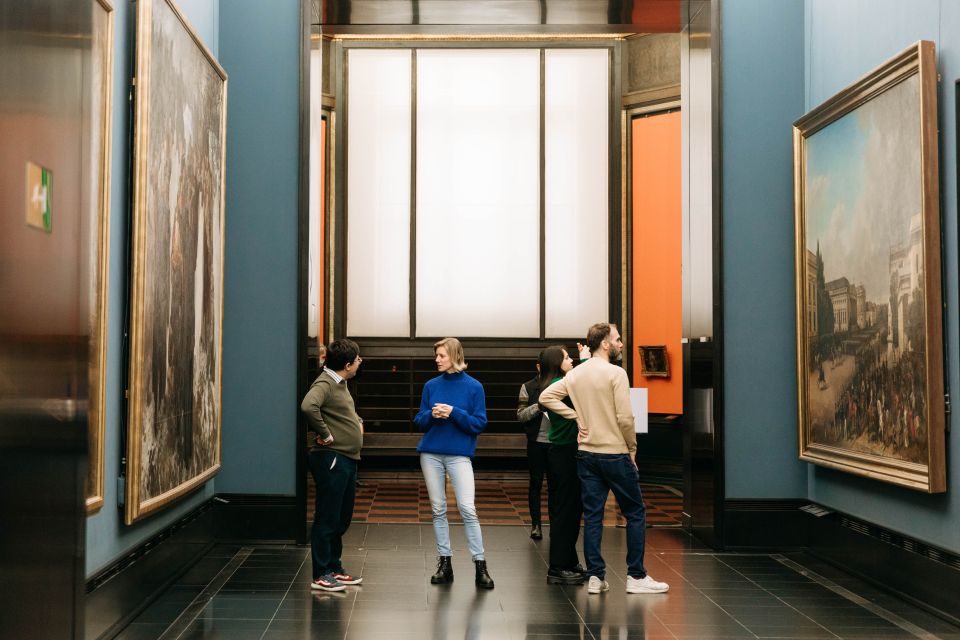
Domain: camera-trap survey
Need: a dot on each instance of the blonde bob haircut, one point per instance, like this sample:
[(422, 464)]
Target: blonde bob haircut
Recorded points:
[(454, 350)]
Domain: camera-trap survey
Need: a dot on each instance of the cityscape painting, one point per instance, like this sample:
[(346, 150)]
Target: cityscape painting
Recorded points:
[(869, 342), (173, 443)]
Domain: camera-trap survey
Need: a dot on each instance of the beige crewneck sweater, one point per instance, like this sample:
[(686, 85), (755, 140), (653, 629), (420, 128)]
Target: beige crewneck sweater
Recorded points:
[(600, 393)]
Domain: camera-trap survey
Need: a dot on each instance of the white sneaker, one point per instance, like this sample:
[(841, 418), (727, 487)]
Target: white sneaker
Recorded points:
[(646, 585), (596, 585)]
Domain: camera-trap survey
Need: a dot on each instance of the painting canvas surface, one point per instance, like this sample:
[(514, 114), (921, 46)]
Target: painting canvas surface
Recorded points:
[(864, 274), (177, 350)]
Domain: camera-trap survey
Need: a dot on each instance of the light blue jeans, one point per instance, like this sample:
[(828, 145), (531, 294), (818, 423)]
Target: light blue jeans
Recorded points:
[(435, 469)]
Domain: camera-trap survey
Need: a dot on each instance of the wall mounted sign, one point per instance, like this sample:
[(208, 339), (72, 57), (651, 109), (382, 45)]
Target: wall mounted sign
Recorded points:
[(38, 197)]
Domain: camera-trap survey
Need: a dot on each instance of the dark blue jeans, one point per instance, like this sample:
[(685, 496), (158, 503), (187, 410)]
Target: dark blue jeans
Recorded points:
[(599, 474), (336, 478)]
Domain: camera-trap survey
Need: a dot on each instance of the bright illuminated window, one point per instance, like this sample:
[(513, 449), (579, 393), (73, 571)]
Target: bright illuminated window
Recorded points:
[(577, 190), (478, 193), (378, 193)]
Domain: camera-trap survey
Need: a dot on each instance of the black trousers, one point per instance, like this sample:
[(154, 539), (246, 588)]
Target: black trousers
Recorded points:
[(336, 478), (566, 505), (537, 460)]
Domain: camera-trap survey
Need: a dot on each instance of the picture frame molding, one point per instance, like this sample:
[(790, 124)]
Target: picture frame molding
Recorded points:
[(919, 59), (659, 348), (134, 508), (95, 473)]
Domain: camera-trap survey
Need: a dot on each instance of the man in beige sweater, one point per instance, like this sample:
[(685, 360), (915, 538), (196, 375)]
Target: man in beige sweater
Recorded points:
[(607, 445)]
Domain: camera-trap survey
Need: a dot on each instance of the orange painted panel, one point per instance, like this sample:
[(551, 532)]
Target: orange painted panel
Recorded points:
[(656, 16), (321, 306), (657, 253)]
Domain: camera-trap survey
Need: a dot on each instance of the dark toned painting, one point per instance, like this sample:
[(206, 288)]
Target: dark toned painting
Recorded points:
[(654, 362), (177, 292), (870, 355)]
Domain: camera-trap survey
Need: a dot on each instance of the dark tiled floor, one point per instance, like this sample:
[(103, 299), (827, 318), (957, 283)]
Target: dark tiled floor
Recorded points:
[(405, 500), (263, 593)]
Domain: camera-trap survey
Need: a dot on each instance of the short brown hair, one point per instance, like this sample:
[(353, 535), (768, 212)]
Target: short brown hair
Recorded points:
[(597, 334), (454, 350)]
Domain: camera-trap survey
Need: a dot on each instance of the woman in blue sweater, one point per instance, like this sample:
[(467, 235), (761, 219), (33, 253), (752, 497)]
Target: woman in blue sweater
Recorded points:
[(452, 413)]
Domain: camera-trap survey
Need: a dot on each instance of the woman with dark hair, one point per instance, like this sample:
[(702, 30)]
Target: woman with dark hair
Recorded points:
[(535, 425), (563, 481), (452, 414)]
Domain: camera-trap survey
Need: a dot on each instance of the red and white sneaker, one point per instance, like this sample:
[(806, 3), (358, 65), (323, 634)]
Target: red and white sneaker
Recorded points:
[(327, 583), (346, 578)]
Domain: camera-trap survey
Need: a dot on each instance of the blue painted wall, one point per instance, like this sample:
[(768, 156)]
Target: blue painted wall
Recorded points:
[(260, 50), (845, 40), (779, 60), (762, 78), (107, 537)]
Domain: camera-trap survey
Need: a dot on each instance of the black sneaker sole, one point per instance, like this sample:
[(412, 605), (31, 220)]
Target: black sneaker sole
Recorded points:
[(444, 581)]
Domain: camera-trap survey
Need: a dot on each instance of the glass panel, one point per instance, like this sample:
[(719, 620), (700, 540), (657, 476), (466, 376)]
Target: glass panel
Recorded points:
[(576, 190), (378, 193), (478, 201), (315, 233)]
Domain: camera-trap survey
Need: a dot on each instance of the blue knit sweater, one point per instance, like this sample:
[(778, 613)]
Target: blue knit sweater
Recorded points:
[(456, 435)]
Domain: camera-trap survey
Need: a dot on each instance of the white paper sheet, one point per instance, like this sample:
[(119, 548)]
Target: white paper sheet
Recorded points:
[(638, 401)]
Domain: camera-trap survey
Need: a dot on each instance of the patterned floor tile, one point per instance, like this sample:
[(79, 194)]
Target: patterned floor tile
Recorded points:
[(403, 500)]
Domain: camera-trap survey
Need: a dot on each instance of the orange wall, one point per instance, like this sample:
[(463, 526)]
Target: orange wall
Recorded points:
[(657, 251), (656, 16)]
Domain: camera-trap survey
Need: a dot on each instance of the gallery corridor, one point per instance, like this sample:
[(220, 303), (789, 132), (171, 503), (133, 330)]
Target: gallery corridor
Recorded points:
[(263, 593)]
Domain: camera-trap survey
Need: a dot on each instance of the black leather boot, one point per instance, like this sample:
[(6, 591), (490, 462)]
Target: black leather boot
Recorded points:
[(556, 575), (536, 533), (444, 572), (484, 581)]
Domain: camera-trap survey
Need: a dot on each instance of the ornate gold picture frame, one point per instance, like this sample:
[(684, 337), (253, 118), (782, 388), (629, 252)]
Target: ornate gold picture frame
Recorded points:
[(97, 142), (868, 274), (654, 362), (180, 116)]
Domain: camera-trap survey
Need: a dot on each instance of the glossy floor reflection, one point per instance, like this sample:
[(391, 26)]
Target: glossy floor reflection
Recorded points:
[(263, 593)]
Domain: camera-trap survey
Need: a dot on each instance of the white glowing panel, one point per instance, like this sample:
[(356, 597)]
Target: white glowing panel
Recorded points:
[(315, 233), (478, 201), (576, 190), (378, 192)]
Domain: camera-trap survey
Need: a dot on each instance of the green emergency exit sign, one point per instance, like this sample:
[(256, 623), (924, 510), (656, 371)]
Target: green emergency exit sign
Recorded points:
[(38, 197)]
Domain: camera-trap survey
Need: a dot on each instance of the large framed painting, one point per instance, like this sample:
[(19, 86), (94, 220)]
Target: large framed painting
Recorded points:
[(868, 273), (98, 65), (180, 109)]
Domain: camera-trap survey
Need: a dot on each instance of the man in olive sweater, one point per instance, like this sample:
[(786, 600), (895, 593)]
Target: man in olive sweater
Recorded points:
[(605, 460), (337, 436)]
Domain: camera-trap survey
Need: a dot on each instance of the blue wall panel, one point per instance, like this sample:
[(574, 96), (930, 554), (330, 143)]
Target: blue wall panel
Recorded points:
[(762, 78), (845, 40), (107, 537), (260, 50)]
